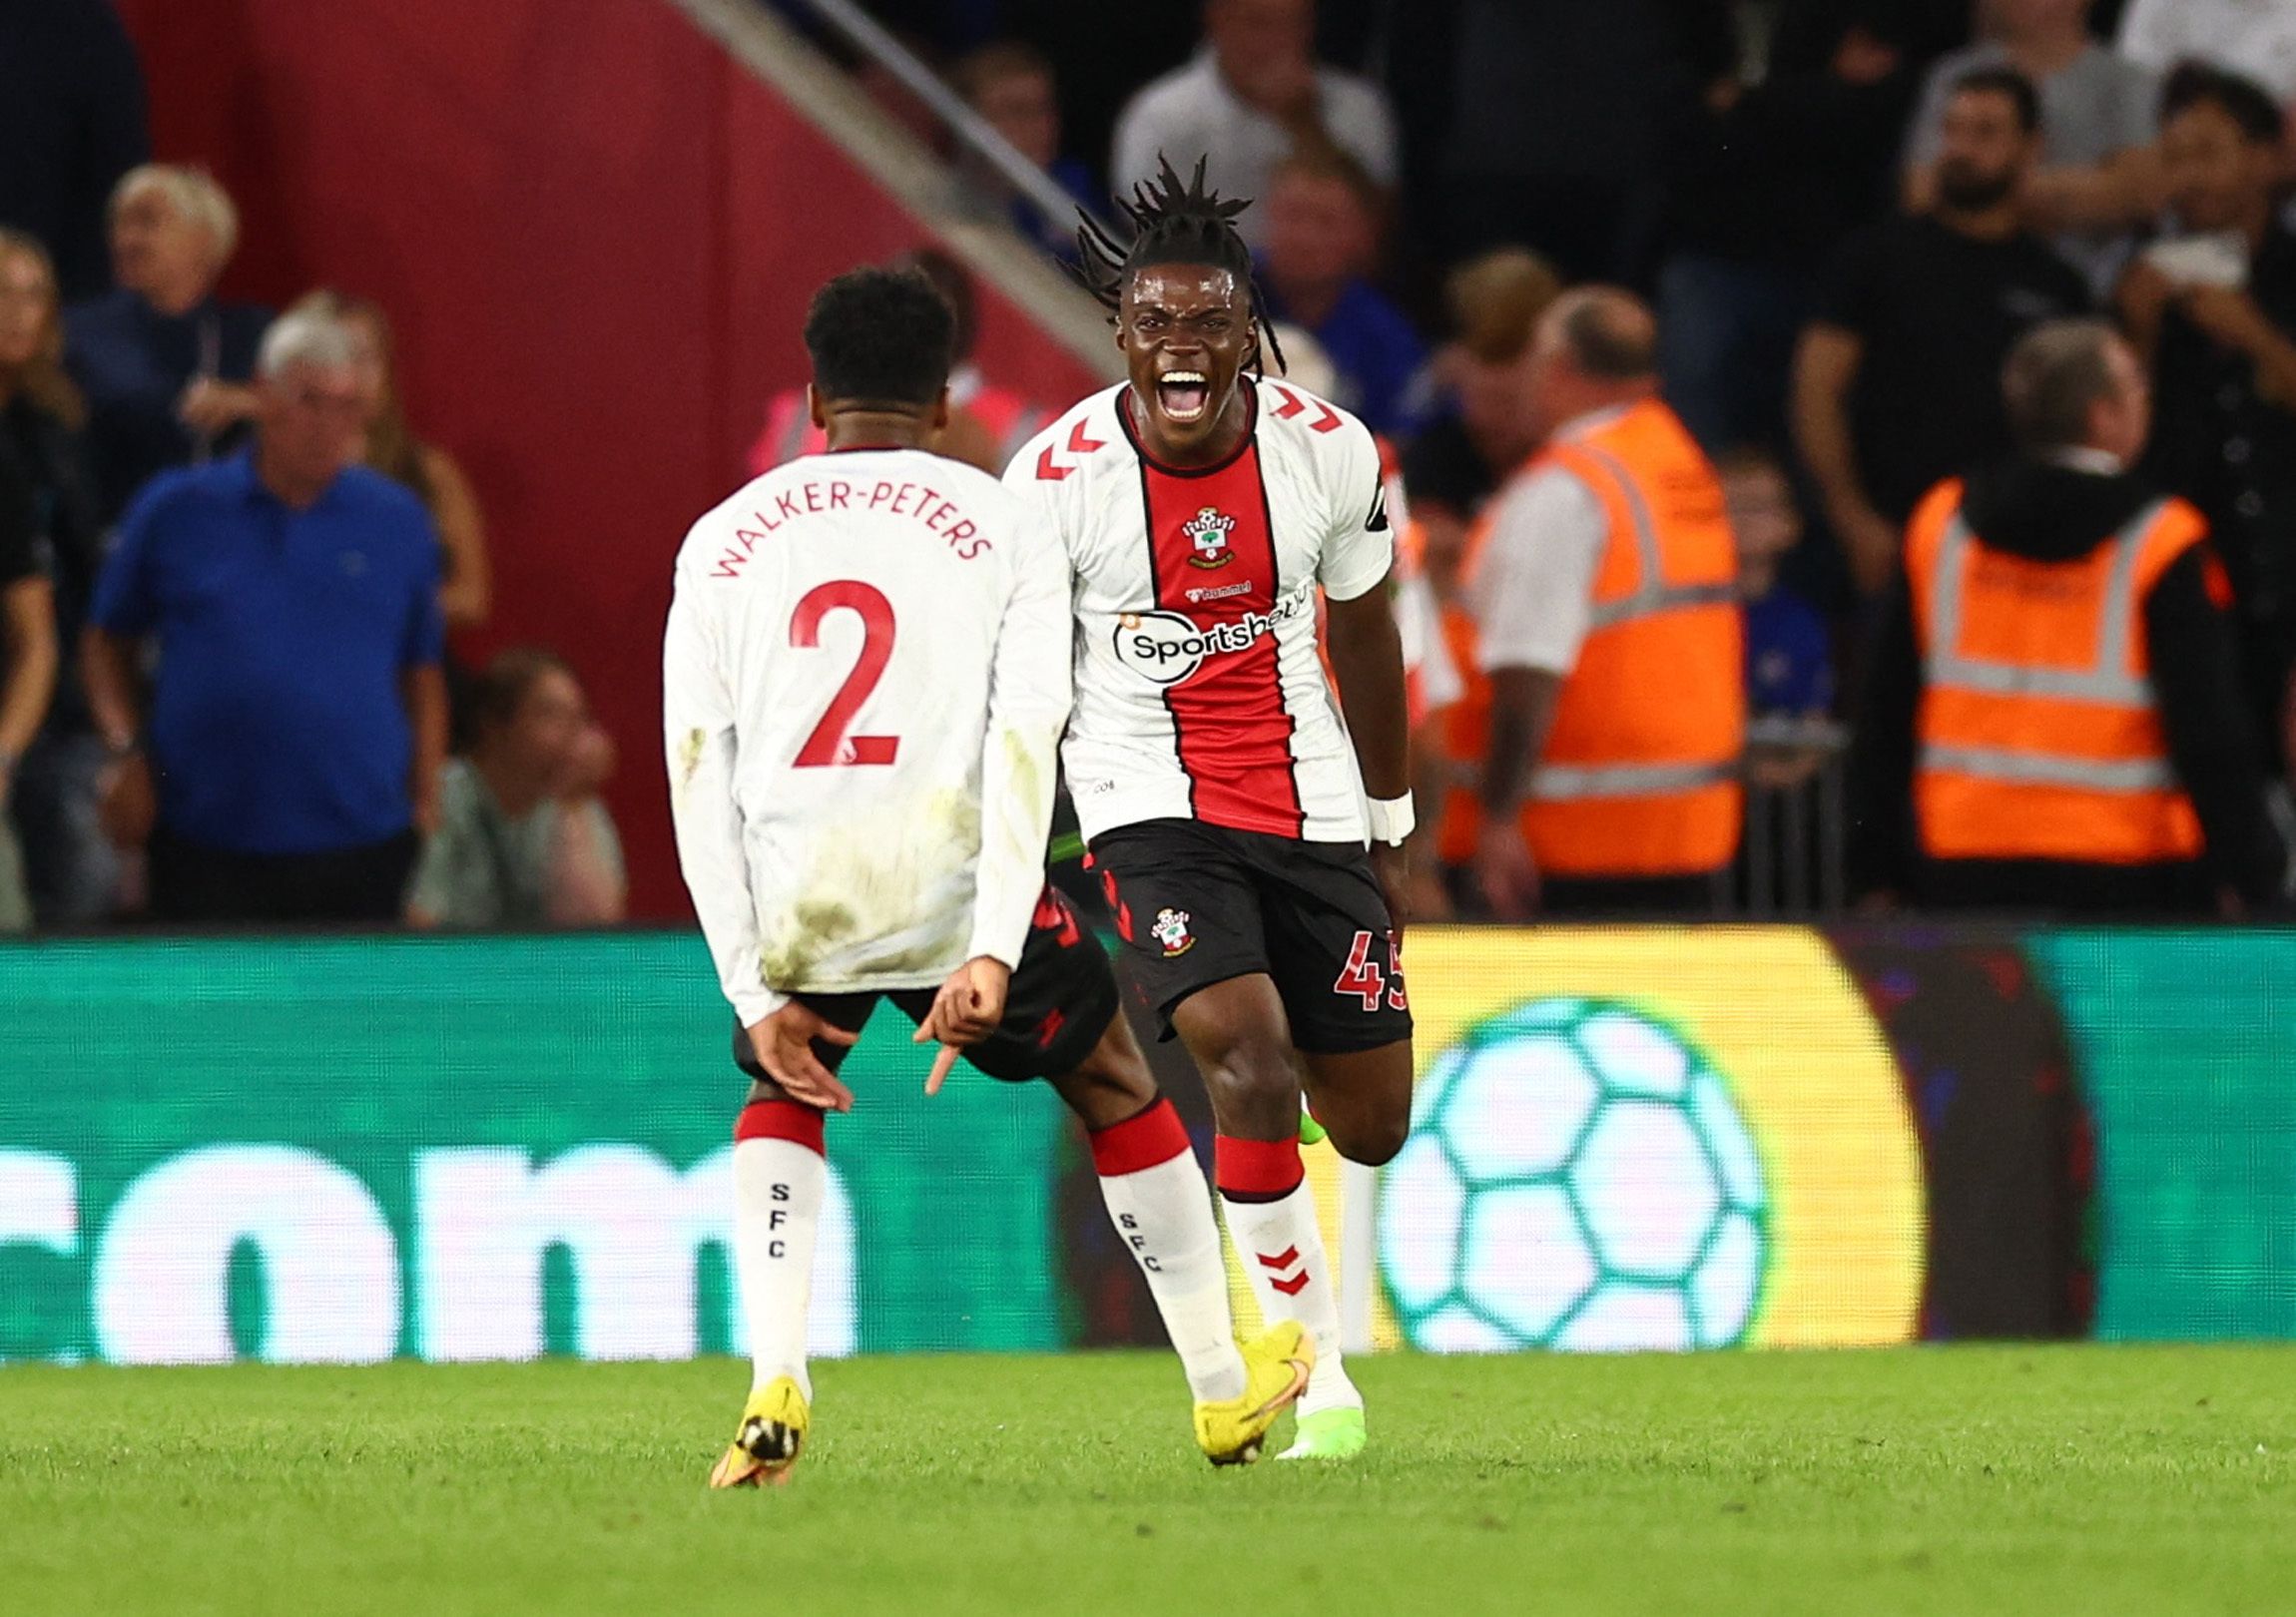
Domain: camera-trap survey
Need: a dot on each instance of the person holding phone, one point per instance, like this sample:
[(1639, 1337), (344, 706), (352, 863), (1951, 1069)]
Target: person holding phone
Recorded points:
[(2212, 305)]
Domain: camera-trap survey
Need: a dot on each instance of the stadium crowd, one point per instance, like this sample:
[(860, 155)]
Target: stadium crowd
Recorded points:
[(1755, 372), (1840, 220), (227, 571)]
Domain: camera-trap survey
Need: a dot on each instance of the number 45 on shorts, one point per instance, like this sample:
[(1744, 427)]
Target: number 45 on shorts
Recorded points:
[(1363, 976)]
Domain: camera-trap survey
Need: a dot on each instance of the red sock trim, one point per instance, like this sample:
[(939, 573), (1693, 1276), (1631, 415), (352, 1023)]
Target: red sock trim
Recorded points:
[(1148, 1139), (1260, 1169), (782, 1120)]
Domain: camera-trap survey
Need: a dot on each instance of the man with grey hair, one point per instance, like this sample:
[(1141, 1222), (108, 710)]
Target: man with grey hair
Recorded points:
[(289, 750), (1251, 97), (2055, 721), (164, 363)]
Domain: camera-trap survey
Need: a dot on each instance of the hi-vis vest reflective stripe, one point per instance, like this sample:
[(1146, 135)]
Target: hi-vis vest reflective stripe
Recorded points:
[(2039, 734), (1641, 772)]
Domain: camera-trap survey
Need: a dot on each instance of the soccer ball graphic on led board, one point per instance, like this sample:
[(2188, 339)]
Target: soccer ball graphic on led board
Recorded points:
[(1578, 1177)]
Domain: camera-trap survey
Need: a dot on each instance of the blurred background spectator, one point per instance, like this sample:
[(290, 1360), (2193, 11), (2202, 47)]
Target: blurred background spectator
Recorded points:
[(1483, 427), (1606, 599), (1769, 168), (1012, 86), (1323, 244), (1253, 95), (1896, 379), (1790, 695), (70, 872), (163, 364), (2254, 38), (1437, 170), (2213, 302), (298, 718), (522, 841), (1554, 118), (1789, 645), (71, 124), (27, 604), (2054, 723), (1450, 470), (2098, 177), (465, 591)]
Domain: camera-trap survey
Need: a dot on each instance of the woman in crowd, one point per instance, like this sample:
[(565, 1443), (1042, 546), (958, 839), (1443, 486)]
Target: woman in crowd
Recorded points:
[(523, 840), (395, 450), (162, 365), (49, 549)]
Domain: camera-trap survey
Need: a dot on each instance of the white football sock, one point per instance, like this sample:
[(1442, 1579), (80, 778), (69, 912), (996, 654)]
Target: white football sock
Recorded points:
[(1281, 1249), (1162, 1210), (1164, 1214), (778, 1185)]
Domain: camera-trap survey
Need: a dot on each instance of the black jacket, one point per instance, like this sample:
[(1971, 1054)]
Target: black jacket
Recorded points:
[(71, 123), (2047, 512), (48, 510)]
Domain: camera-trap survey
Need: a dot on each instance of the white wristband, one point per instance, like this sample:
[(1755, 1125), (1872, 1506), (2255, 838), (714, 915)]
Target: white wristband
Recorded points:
[(1392, 819)]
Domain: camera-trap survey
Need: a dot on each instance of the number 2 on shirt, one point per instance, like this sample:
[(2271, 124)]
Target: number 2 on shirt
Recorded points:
[(828, 747)]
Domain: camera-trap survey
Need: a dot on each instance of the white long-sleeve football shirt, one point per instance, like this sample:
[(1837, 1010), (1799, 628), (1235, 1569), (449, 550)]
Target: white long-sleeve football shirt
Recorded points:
[(865, 678)]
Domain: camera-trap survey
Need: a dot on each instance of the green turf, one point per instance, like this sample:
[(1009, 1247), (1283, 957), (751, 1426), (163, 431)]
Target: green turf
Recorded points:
[(2062, 1482)]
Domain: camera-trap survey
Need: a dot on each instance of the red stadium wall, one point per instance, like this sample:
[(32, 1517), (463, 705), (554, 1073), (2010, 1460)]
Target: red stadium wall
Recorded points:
[(597, 235)]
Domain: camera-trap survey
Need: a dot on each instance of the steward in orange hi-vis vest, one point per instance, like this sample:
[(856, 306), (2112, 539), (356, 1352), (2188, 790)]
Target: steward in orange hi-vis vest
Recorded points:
[(2054, 720), (2039, 733), (1639, 775)]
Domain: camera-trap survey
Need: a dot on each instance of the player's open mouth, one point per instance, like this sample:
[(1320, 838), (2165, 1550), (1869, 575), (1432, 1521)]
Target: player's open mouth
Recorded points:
[(1184, 394)]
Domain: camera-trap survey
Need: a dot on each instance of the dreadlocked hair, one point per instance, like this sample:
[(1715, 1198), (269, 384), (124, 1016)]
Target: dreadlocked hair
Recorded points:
[(1174, 221)]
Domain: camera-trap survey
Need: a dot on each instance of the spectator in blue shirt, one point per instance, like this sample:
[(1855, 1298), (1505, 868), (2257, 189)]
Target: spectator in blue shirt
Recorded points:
[(1788, 651), (1322, 239), (298, 718), (162, 365)]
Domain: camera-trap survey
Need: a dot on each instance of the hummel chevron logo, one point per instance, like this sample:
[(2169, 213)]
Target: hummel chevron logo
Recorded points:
[(1050, 471), (1283, 1260), (1294, 404), (1292, 1286)]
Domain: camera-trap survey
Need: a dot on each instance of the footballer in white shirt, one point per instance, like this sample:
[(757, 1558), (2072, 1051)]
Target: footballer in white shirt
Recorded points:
[(1221, 792), (865, 678)]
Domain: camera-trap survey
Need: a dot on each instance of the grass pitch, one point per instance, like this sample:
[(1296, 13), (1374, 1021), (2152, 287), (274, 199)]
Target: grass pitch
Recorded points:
[(1944, 1480)]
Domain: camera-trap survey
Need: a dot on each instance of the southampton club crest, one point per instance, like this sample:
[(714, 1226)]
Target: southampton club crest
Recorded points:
[(1208, 531), (1171, 930)]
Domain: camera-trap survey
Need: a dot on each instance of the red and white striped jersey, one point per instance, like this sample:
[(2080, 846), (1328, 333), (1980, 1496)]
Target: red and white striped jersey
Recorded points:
[(1199, 691)]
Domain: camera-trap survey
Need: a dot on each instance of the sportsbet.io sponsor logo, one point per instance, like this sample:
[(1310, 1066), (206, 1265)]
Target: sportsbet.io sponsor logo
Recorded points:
[(1164, 648), (281, 1253), (1578, 1177)]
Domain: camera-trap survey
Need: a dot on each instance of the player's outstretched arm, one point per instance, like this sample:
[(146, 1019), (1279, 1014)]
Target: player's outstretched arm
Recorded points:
[(1367, 656), (1360, 634), (697, 733), (1366, 653), (1029, 691)]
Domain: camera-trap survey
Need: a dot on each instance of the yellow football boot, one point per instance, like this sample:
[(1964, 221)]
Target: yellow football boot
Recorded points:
[(766, 1447), (1276, 1366)]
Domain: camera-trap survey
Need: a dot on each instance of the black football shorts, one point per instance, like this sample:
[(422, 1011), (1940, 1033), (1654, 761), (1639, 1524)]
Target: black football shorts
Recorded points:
[(1061, 1000), (1197, 905)]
